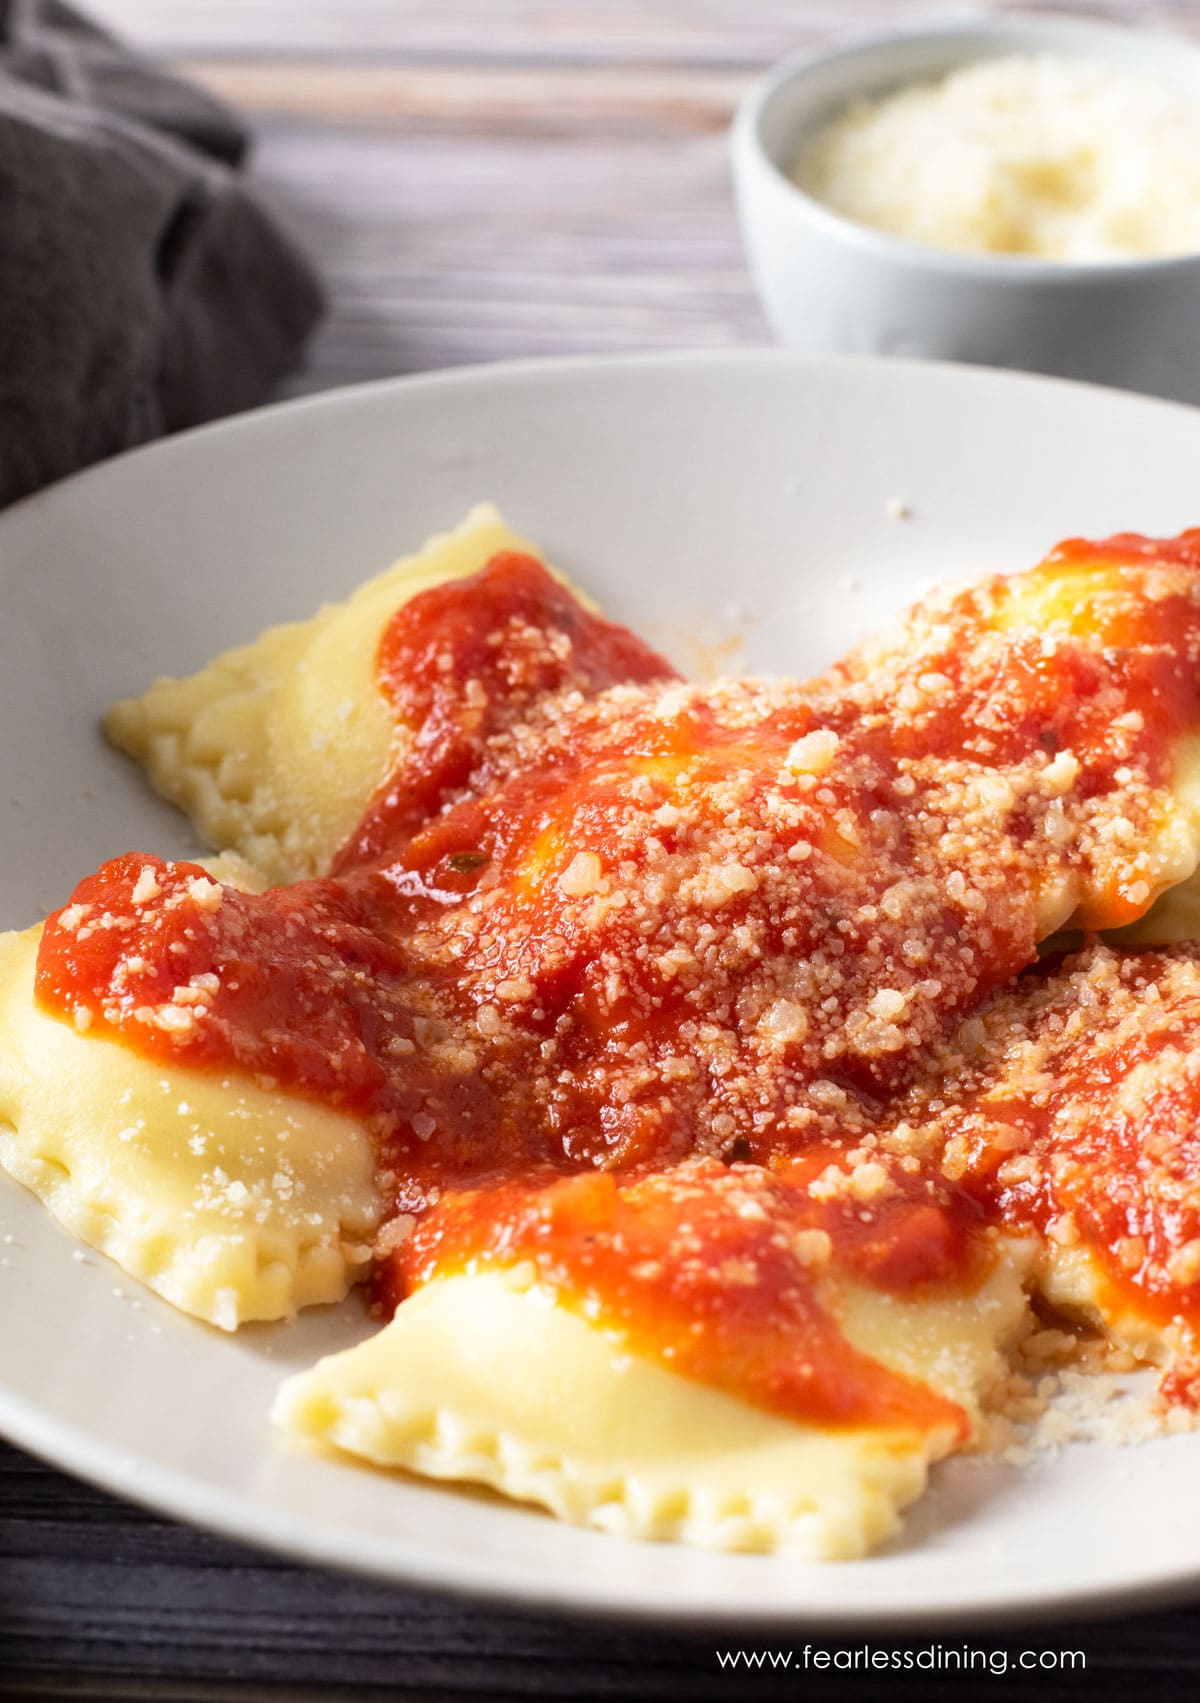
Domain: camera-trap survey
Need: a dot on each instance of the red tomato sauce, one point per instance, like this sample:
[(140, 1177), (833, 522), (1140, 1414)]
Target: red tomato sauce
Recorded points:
[(1120, 639), (517, 635), (547, 968), (1099, 1148), (717, 1271)]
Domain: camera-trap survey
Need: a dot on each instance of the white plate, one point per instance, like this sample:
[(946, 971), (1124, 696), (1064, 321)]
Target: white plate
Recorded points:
[(695, 496)]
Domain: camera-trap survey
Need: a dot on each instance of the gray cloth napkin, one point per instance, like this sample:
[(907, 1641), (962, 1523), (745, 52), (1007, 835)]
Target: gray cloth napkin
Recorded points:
[(141, 286)]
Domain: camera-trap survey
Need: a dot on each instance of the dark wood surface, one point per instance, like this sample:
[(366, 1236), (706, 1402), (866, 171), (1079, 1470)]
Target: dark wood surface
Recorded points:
[(477, 179), (99, 1600)]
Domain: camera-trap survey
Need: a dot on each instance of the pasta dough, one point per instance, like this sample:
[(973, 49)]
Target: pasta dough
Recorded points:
[(231, 1201), (622, 920), (546, 1408), (1095, 649), (1067, 1104), (276, 749)]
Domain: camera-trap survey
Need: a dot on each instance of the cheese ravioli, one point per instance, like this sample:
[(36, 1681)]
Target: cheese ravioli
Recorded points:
[(1069, 1104), (230, 1200), (275, 749), (537, 1403), (1094, 656), (606, 1004)]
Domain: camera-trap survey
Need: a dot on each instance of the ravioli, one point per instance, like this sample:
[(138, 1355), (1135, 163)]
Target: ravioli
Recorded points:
[(609, 1005), (275, 749), (231, 1201), (838, 869), (542, 1406), (1070, 1104), (1093, 655)]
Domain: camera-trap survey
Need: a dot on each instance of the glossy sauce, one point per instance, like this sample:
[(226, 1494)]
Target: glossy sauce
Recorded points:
[(555, 970), (1082, 1123), (718, 1271)]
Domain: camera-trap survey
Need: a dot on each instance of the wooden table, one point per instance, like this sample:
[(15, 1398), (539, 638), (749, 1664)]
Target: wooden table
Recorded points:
[(476, 179)]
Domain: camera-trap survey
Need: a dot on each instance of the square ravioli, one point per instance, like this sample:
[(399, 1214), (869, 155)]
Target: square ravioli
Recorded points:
[(275, 749), (652, 1044), (230, 1200), (537, 1403)]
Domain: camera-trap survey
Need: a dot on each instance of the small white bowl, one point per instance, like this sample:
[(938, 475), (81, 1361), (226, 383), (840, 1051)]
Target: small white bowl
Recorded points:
[(827, 283)]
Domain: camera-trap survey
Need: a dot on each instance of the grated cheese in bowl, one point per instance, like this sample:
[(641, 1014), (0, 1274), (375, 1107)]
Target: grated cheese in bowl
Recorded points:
[(1045, 155)]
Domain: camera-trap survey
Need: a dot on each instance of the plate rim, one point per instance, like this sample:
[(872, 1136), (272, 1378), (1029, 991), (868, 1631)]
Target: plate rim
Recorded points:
[(532, 367), (219, 1512)]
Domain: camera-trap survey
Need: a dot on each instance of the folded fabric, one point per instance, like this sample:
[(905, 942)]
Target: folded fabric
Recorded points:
[(142, 288)]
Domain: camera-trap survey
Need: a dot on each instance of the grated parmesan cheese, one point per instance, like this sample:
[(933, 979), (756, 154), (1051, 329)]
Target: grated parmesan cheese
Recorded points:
[(1054, 157)]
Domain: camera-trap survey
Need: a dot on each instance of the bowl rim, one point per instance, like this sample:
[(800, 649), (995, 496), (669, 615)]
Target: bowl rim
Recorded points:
[(749, 153)]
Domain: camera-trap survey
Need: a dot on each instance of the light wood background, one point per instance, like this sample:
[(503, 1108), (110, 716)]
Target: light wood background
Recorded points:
[(475, 179), (485, 178)]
